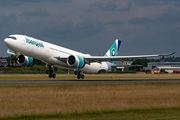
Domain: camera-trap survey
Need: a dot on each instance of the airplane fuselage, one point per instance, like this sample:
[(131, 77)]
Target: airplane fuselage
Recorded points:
[(48, 53)]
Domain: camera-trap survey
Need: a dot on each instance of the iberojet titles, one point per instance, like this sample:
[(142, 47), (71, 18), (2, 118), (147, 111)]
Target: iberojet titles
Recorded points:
[(34, 43)]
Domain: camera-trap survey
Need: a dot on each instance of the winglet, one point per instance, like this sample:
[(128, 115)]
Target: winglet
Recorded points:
[(167, 54), (9, 52)]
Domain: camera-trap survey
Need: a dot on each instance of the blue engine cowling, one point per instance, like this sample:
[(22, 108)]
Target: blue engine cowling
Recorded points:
[(76, 61), (25, 61)]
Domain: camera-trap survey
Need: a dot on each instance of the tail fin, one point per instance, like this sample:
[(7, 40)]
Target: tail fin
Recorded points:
[(113, 51)]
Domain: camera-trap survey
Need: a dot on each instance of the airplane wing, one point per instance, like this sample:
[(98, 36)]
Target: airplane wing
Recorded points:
[(90, 59), (99, 59)]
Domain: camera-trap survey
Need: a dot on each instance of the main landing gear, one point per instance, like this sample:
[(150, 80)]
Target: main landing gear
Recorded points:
[(50, 72), (79, 74)]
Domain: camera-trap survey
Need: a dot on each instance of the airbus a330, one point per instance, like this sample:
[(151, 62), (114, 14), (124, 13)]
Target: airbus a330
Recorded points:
[(27, 49)]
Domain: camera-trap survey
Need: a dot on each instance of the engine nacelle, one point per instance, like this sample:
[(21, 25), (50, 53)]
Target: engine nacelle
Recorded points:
[(76, 61), (25, 61)]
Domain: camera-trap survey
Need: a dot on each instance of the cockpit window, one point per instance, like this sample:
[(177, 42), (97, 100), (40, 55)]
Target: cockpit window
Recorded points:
[(12, 38)]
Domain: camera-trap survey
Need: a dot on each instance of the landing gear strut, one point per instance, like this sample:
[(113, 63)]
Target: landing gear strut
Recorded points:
[(50, 72), (79, 74)]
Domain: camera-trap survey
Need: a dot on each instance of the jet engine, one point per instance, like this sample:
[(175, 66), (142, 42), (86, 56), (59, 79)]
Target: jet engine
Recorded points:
[(25, 61), (76, 61)]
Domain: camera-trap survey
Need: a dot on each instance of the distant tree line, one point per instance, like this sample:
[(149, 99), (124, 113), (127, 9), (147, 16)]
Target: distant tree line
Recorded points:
[(11, 59), (152, 60), (142, 62)]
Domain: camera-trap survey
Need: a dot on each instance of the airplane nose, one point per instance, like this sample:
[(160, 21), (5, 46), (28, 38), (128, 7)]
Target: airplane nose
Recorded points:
[(8, 43), (5, 41)]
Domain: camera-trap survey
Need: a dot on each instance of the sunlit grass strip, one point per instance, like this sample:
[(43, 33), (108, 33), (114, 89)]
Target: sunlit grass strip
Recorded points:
[(88, 76), (88, 112)]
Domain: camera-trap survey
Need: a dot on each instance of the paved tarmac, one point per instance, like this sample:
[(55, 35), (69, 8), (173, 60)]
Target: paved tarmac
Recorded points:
[(84, 81)]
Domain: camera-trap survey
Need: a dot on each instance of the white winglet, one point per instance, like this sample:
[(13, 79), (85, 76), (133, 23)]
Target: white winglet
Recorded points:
[(9, 52)]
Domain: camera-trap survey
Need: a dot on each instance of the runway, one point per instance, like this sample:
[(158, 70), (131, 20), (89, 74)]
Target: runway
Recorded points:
[(84, 81)]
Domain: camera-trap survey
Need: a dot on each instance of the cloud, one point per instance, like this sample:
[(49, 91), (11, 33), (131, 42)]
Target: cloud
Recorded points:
[(164, 18), (127, 8), (108, 6), (9, 3), (140, 24), (7, 20), (19, 2), (113, 6), (169, 18), (50, 30), (37, 12), (115, 22), (147, 3), (138, 20), (68, 31)]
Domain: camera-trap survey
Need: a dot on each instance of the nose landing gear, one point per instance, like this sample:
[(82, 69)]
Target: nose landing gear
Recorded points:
[(50, 72)]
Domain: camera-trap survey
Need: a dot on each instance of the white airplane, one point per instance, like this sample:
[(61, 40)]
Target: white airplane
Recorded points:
[(28, 49)]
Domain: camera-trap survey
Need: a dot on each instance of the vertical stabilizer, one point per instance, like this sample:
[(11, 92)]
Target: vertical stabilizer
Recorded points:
[(113, 51)]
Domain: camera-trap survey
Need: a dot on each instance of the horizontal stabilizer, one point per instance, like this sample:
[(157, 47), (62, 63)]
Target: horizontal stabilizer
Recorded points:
[(115, 66), (127, 65)]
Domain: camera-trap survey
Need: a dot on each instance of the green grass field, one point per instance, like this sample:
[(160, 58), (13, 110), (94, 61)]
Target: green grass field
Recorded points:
[(91, 101), (129, 114)]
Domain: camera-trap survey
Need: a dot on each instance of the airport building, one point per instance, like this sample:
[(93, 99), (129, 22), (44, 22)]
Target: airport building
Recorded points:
[(3, 62), (170, 59), (167, 66)]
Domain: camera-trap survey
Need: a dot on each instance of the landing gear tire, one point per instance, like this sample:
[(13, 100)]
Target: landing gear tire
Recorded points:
[(54, 75), (50, 75), (75, 72), (82, 76), (47, 71), (50, 72), (78, 76)]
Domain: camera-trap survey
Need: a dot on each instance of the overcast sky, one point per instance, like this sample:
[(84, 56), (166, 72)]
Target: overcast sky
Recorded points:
[(91, 26)]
